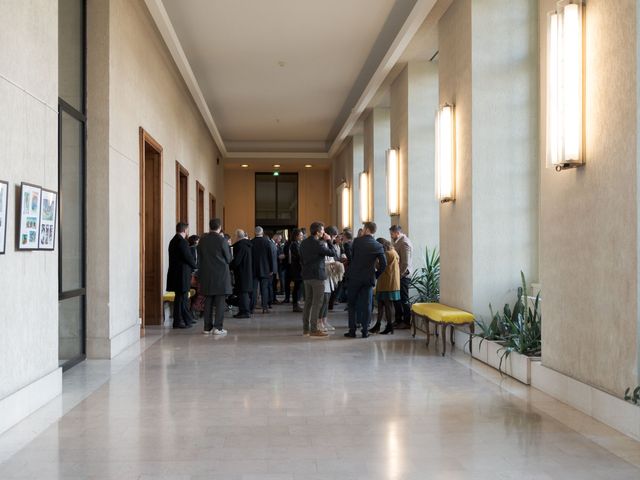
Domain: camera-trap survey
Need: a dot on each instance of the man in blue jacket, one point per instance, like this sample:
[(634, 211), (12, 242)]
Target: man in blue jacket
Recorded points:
[(362, 277)]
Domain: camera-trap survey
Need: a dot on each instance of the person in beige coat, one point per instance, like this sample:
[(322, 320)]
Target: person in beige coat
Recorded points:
[(387, 288), (403, 246)]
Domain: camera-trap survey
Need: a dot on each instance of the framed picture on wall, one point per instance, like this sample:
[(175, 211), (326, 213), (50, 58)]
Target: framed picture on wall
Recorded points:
[(4, 199), (48, 219), (29, 225)]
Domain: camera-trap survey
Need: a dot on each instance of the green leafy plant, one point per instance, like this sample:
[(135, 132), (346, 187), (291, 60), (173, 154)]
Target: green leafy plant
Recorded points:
[(632, 397), (518, 328), (426, 279)]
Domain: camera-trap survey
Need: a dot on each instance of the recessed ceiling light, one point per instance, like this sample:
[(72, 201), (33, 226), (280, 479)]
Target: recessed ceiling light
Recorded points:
[(308, 165), (244, 165), (277, 165)]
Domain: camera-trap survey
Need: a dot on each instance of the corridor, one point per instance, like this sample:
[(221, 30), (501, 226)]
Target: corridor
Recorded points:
[(266, 403)]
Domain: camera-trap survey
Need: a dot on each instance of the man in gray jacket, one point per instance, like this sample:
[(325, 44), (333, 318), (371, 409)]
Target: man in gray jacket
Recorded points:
[(214, 276), (403, 246)]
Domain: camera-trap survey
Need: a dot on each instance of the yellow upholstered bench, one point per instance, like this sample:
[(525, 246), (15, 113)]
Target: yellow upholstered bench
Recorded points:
[(442, 315), (169, 297)]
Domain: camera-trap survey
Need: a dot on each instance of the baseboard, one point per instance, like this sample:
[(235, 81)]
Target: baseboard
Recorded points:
[(107, 348), (604, 407), (24, 402)]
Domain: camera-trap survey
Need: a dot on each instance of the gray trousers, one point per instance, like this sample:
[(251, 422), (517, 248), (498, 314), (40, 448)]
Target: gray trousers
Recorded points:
[(209, 301), (313, 298)]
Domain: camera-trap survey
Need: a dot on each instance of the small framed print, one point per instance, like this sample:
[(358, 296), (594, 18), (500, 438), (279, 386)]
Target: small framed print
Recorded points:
[(48, 219), (29, 225), (4, 199)]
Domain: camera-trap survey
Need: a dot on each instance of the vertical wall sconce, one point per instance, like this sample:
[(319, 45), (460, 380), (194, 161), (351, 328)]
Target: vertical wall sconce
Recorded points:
[(564, 85), (446, 154), (364, 197), (345, 205), (393, 181)]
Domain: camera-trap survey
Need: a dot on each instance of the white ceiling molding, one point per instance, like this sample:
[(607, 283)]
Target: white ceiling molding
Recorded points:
[(161, 18), (301, 155), (415, 19)]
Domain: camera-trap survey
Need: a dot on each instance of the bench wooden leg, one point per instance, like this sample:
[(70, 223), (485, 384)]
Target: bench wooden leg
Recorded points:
[(471, 332), (413, 324), (444, 338), (427, 329), (453, 341)]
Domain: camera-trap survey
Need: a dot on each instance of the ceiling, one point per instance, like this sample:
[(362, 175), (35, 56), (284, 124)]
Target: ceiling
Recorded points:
[(281, 76)]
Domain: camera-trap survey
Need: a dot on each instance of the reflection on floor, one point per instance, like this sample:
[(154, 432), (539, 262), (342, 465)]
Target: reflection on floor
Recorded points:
[(266, 403)]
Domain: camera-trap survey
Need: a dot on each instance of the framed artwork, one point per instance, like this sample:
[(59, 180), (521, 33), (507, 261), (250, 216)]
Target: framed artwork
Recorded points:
[(4, 199), (48, 219), (29, 225)]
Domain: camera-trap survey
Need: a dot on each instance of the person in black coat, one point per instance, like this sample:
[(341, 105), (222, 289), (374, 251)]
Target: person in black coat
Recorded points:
[(295, 268), (362, 276), (181, 265), (263, 269), (214, 276), (242, 265), (313, 251)]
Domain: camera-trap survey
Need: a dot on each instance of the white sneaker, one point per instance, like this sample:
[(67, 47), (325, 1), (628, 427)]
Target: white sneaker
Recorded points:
[(329, 327), (219, 332), (207, 332)]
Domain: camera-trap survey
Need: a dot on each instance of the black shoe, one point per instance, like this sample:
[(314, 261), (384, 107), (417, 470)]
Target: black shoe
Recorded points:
[(375, 329), (182, 325), (365, 335), (388, 330), (286, 300), (402, 326), (242, 315), (265, 310), (297, 309), (350, 334)]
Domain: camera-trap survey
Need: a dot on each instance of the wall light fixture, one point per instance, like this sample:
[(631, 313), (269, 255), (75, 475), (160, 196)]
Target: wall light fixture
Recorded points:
[(345, 201), (564, 85), (446, 154), (393, 181), (364, 197)]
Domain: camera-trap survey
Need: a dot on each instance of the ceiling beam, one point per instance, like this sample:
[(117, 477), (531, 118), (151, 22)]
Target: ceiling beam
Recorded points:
[(415, 19), (161, 18)]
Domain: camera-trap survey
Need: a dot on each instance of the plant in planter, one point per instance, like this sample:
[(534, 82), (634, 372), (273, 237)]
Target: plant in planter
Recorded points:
[(522, 326), (426, 280), (632, 397)]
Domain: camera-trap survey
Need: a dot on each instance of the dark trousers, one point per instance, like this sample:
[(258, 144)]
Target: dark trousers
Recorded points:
[(297, 285), (181, 313), (360, 297), (282, 276), (210, 301), (402, 306), (260, 285), (384, 311), (286, 285), (243, 303)]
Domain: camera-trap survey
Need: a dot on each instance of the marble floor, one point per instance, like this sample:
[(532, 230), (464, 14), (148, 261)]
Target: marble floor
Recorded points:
[(266, 403)]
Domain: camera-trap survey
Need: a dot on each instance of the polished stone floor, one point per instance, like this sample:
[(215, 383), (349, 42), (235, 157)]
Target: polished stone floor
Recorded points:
[(266, 403)]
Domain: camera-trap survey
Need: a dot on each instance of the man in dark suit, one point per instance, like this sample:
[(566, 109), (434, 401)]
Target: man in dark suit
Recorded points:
[(263, 269), (181, 264), (214, 276), (362, 278), (242, 265), (295, 268)]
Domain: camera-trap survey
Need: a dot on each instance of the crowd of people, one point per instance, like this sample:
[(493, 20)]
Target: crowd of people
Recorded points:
[(321, 268)]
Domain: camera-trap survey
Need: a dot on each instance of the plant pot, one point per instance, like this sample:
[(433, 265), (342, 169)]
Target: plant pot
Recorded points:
[(494, 350), (480, 349), (515, 365)]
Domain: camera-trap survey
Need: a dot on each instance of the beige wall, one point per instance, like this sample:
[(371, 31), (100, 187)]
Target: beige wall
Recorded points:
[(376, 143), (342, 170), (489, 234), (399, 134), (313, 198), (28, 153), (142, 88), (589, 216), (456, 241)]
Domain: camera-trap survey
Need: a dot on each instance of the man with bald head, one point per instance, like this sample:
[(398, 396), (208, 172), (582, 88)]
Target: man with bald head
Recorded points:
[(263, 269), (242, 266)]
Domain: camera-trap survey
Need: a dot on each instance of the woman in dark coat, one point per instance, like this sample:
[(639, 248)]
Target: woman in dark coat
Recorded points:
[(242, 266)]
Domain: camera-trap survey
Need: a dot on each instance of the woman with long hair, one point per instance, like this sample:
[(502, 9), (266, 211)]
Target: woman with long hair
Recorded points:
[(387, 288)]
